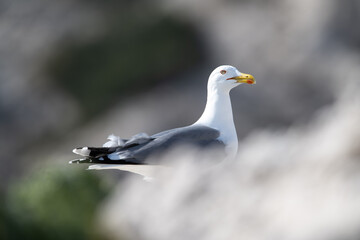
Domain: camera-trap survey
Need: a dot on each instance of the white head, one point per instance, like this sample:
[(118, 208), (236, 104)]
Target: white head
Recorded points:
[(226, 77)]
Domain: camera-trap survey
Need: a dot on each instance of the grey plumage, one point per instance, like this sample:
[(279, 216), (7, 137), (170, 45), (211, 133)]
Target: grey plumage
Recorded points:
[(140, 147)]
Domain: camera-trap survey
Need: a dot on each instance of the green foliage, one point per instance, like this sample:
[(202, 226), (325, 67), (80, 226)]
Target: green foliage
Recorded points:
[(136, 51), (56, 203), (7, 226)]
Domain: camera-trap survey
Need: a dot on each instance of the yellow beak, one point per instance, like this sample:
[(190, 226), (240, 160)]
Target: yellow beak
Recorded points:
[(244, 78)]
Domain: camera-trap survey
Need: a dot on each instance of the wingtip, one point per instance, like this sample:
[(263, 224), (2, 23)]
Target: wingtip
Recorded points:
[(81, 160), (74, 161), (83, 151)]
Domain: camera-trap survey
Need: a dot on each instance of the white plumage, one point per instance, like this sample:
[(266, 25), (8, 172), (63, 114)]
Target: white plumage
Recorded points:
[(214, 128)]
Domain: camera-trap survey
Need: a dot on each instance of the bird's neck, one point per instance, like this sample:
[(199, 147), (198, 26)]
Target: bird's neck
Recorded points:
[(218, 114), (218, 111)]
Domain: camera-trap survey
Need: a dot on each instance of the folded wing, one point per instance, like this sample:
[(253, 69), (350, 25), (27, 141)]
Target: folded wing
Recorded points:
[(138, 149)]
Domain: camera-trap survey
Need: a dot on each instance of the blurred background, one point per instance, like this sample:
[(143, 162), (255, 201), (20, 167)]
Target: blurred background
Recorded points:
[(73, 71)]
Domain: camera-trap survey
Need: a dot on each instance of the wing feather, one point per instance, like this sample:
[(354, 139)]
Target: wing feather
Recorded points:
[(142, 146)]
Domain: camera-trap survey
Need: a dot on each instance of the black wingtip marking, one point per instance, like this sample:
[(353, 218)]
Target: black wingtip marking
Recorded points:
[(81, 160)]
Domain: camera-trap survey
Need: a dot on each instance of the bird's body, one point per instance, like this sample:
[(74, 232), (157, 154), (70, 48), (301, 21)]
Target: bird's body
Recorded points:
[(214, 129), (218, 115)]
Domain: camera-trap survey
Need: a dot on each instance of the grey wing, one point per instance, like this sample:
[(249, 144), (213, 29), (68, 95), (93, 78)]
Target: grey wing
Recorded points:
[(195, 135), (140, 147)]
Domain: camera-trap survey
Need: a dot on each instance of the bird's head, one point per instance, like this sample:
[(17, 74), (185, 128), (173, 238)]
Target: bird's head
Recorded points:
[(226, 77)]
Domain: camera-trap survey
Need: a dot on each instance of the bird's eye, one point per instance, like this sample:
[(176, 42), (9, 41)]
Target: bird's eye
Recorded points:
[(222, 72)]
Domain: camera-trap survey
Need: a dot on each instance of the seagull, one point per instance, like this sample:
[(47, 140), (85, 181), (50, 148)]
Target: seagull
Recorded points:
[(214, 129)]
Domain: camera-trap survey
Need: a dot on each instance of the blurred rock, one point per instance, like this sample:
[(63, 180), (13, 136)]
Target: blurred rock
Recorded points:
[(346, 17), (30, 106), (65, 62)]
